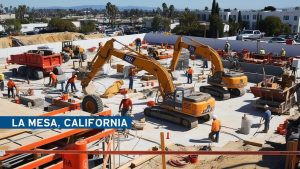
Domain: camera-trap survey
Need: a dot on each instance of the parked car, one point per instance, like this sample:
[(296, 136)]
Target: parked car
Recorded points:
[(3, 34), (277, 40), (250, 34)]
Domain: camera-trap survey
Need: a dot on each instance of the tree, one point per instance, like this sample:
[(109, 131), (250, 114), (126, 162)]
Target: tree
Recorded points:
[(189, 25), (216, 27), (111, 11), (161, 23), (272, 25), (269, 8), (206, 8), (12, 25), (60, 25), (88, 27), (233, 27), (21, 11), (171, 11), (165, 9), (240, 19)]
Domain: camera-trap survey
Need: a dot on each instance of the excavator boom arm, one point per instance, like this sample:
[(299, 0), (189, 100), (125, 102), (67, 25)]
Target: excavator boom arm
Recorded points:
[(198, 49), (143, 62)]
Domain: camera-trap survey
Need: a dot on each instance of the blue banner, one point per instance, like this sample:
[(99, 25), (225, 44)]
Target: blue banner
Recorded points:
[(64, 122)]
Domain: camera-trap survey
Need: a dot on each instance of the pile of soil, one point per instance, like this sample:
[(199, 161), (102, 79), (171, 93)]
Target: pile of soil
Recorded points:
[(47, 38)]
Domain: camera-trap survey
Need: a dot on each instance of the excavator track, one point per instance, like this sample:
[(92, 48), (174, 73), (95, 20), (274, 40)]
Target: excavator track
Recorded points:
[(216, 91), (237, 92), (171, 116)]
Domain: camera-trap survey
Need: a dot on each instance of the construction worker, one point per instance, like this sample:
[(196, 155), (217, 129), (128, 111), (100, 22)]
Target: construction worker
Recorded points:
[(138, 44), (81, 53), (72, 81), (282, 52), (190, 72), (100, 46), (2, 81), (227, 47), (53, 80), (215, 129), (125, 105), (205, 63), (267, 118), (262, 51), (10, 86), (131, 76)]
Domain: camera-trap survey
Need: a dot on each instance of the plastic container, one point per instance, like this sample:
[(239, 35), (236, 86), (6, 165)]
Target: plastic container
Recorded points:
[(246, 125), (151, 103), (193, 158)]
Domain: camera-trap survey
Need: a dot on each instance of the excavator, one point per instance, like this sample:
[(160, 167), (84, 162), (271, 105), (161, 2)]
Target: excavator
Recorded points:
[(175, 105), (222, 85)]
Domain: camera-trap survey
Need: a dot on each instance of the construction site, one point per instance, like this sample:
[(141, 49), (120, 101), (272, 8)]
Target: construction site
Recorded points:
[(180, 88)]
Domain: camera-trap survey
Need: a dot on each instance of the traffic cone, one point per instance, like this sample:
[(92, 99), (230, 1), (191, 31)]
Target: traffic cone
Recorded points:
[(168, 135)]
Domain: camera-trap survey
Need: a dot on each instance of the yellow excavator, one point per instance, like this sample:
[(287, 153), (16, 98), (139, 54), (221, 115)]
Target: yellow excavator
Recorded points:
[(222, 85), (177, 106)]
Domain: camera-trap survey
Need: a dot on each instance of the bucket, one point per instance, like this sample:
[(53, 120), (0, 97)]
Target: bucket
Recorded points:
[(193, 158)]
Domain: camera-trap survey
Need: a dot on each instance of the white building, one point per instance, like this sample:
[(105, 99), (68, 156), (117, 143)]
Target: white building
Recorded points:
[(7, 16), (288, 16), (32, 27)]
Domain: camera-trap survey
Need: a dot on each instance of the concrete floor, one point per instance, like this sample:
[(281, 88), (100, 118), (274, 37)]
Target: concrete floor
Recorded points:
[(230, 113)]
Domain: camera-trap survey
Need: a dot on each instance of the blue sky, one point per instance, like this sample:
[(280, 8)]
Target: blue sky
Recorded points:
[(195, 4)]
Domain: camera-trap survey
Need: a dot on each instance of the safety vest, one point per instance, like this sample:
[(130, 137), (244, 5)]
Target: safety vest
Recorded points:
[(262, 52), (216, 125), (283, 53), (190, 71), (227, 46), (81, 50), (1, 76), (53, 77), (72, 79), (11, 84)]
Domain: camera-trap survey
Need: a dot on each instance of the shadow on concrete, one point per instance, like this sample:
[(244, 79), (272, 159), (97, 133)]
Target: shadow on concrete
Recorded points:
[(117, 76), (204, 140), (165, 124), (249, 109)]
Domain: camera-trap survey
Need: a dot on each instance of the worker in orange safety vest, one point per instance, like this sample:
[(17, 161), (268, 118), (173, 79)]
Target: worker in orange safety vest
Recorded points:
[(125, 105), (215, 129), (10, 86), (189, 73), (53, 80), (72, 81)]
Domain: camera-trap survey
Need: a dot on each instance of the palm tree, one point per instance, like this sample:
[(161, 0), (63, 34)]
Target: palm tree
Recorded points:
[(165, 9), (171, 11)]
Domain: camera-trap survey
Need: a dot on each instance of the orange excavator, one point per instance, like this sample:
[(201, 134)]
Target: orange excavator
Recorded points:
[(176, 105), (222, 85)]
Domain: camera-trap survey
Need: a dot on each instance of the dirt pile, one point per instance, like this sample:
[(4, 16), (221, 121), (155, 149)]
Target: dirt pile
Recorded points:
[(47, 38)]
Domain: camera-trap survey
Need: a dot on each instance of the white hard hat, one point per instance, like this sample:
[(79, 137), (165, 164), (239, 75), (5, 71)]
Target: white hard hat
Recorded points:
[(51, 73), (266, 106), (215, 116), (10, 78), (126, 96), (227, 41)]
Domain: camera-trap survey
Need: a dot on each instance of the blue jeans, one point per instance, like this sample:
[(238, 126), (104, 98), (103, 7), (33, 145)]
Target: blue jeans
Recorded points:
[(215, 135), (267, 125), (189, 78), (73, 87), (124, 112), (131, 82)]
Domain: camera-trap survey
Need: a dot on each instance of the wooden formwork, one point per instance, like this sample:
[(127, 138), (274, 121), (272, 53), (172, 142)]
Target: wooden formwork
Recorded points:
[(46, 139)]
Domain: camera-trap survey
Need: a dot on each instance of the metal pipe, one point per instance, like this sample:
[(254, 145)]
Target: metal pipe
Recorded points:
[(270, 153)]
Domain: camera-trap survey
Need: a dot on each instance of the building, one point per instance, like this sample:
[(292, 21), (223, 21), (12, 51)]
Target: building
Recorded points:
[(288, 16), (7, 16), (33, 27)]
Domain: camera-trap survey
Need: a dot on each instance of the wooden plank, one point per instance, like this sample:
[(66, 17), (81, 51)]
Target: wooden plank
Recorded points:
[(11, 133), (254, 142)]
